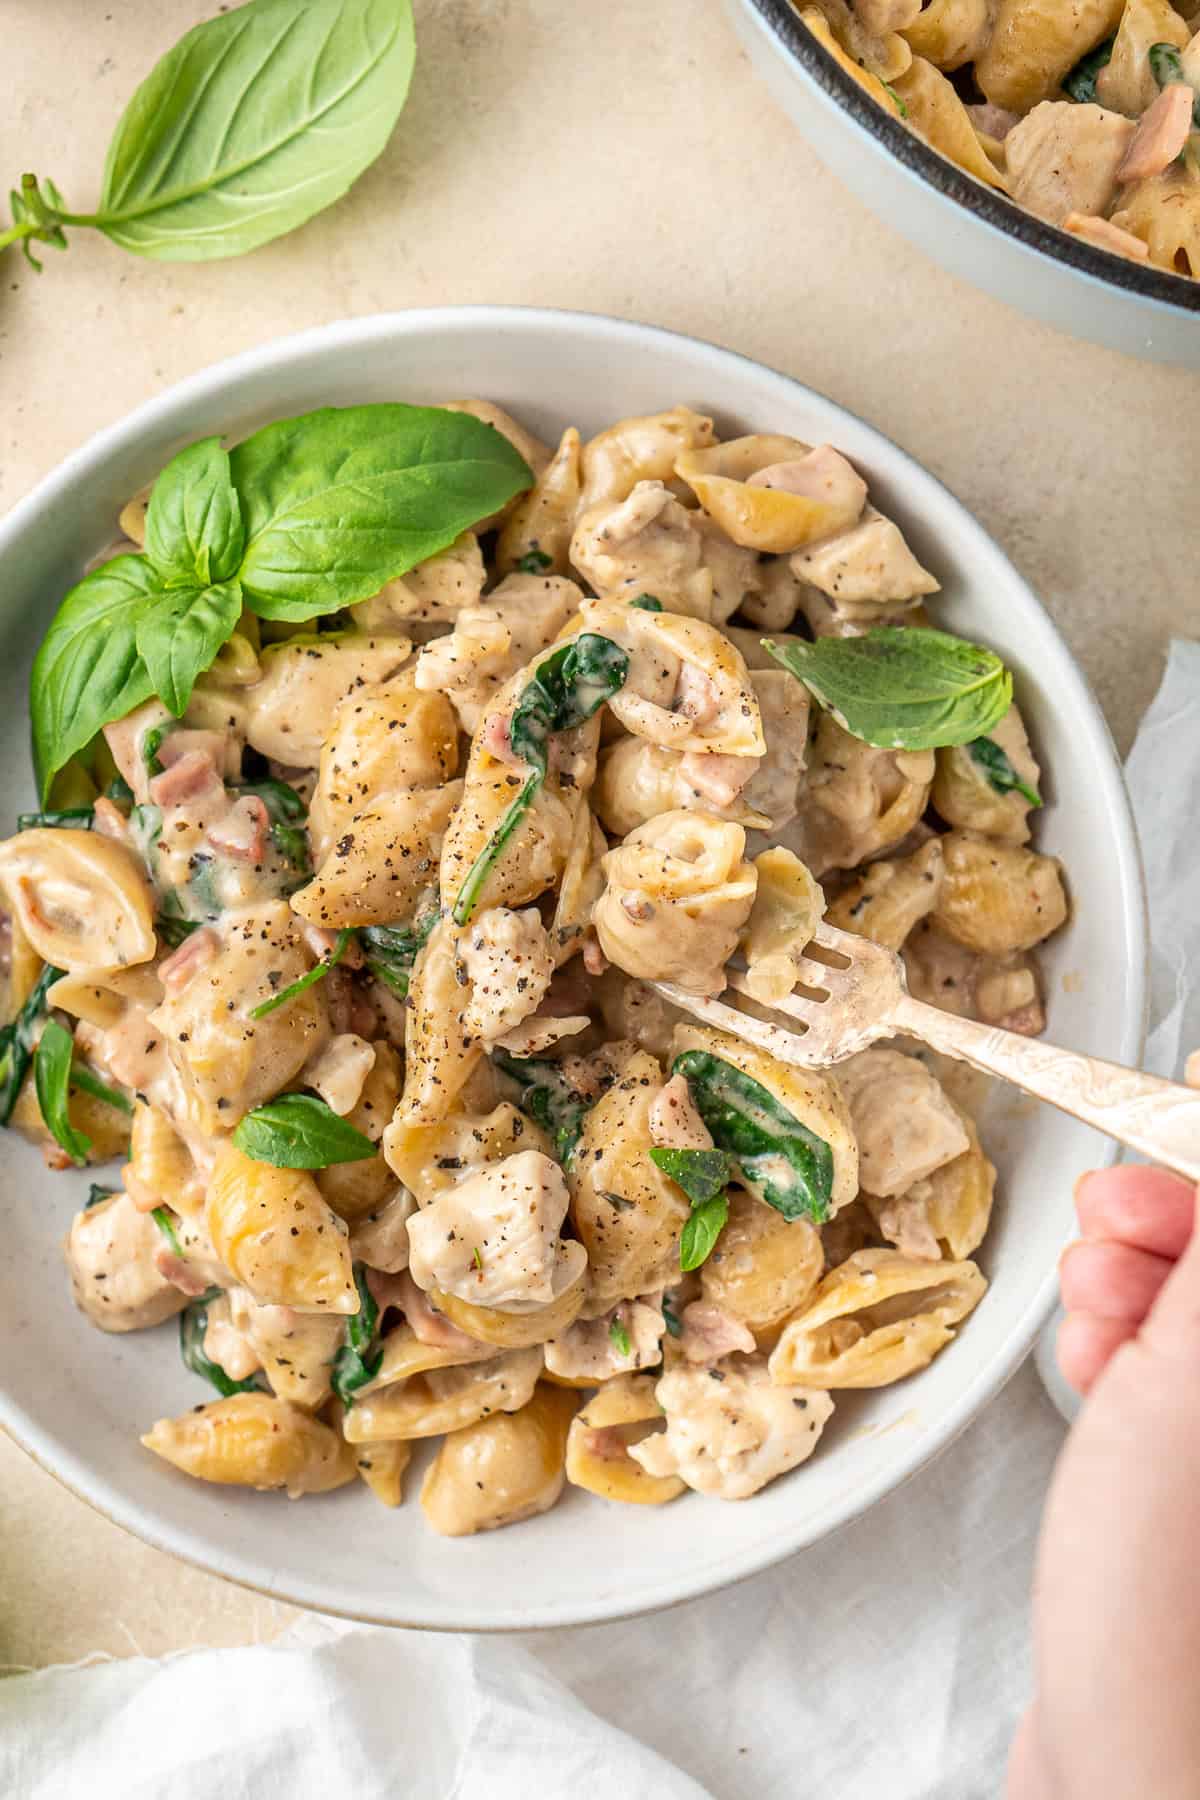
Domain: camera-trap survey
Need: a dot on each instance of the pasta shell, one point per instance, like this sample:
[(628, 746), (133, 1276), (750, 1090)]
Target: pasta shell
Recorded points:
[(274, 1232), (639, 449), (254, 1440), (383, 739), (890, 898), (431, 1159), (965, 797), (764, 1266), (357, 1188), (996, 897), (771, 519), (501, 1470), (788, 906), (445, 1399), (82, 899), (377, 870), (623, 1412), (303, 680), (542, 520), (512, 1330)]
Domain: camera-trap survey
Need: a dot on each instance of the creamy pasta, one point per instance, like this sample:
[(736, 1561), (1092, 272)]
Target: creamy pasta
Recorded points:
[(348, 964), (1087, 112)]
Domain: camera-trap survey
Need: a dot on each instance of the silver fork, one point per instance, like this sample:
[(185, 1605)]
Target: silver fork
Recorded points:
[(852, 993)]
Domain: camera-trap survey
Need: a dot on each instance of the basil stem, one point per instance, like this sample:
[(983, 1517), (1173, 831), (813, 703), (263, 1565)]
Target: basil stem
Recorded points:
[(998, 768), (1080, 83), (16, 1041), (565, 690), (193, 1323), (547, 1098), (52, 1082), (71, 818), (87, 1083), (355, 1364), (317, 973), (166, 1224), (778, 1158)]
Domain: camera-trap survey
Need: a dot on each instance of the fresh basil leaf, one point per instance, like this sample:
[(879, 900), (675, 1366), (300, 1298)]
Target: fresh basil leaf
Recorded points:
[(903, 688), (565, 690), (193, 1323), (98, 1194), (16, 1041), (166, 1224), (317, 973), (255, 121), (391, 950), (702, 1174), (298, 1131), (87, 1083), (777, 1156), (647, 603), (1166, 68), (547, 1098), (89, 670), (52, 1081), (194, 531), (180, 633), (619, 1338), (534, 562), (700, 1233), (1080, 84), (994, 762), (340, 501), (71, 818)]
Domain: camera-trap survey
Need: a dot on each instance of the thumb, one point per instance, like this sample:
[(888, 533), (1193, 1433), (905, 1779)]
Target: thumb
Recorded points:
[(1172, 1327)]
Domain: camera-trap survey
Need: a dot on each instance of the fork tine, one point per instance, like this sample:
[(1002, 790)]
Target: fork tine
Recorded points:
[(806, 1012), (772, 1038)]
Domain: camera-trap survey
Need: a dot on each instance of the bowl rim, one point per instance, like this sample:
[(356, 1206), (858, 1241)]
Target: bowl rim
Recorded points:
[(1072, 694), (1162, 287)]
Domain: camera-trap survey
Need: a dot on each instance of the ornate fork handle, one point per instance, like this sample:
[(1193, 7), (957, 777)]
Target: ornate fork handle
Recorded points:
[(1160, 1119)]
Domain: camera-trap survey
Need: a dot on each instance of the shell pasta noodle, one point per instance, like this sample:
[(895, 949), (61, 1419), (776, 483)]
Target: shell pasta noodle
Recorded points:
[(337, 949), (1086, 112)]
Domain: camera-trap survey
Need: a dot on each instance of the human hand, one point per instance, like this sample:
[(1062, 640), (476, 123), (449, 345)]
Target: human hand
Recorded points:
[(1117, 1590)]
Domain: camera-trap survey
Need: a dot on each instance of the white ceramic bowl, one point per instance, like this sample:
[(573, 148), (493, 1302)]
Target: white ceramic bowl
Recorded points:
[(77, 1399), (972, 230)]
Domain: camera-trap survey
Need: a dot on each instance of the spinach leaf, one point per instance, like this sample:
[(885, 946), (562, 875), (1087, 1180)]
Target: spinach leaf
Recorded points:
[(671, 1318), (647, 603), (298, 1131), (52, 1081), (289, 818), (98, 1194), (16, 1042), (903, 687), (999, 770), (87, 1083), (166, 1224), (255, 121), (178, 637), (89, 671), (777, 1156), (173, 931), (702, 1174), (391, 950), (619, 1338), (193, 1323), (565, 690), (700, 1233), (338, 502), (534, 562), (318, 972), (355, 1364), (547, 1098), (1080, 83), (71, 818), (194, 531), (1166, 68)]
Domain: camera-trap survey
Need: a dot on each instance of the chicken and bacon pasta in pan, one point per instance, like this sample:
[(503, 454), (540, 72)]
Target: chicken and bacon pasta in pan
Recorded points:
[(1087, 112), (360, 841)]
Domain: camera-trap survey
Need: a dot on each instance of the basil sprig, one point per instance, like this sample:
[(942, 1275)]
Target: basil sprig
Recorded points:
[(359, 1358), (903, 688), (1080, 84), (299, 1131), (547, 1097), (307, 516), (255, 121), (699, 1237), (1167, 68), (998, 768), (777, 1156), (318, 972), (565, 690), (703, 1175), (16, 1041), (52, 1083), (193, 1323)]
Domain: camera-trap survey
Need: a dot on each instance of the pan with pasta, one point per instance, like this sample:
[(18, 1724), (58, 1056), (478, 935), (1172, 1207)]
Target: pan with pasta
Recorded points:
[(384, 762)]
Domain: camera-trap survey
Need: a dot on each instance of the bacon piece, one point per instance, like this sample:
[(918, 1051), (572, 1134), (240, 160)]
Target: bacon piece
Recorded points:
[(717, 778), (708, 1333), (496, 740), (1161, 134), (696, 697), (186, 779), (179, 1272), (195, 951)]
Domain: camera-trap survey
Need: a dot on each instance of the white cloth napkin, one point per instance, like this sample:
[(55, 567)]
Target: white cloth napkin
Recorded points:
[(891, 1659)]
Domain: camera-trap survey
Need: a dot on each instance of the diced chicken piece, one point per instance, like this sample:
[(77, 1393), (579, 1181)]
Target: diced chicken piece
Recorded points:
[(338, 1072), (228, 1347), (1162, 131), (506, 959), (992, 121), (115, 1279), (381, 1239), (729, 1430), (492, 641), (619, 1342), (648, 543), (903, 1221), (870, 562), (709, 1333), (1064, 158), (493, 1239), (674, 1122), (1106, 236), (905, 1125), (296, 1349)]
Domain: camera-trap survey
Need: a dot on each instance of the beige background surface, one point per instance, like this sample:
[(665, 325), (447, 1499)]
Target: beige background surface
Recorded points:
[(621, 159)]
